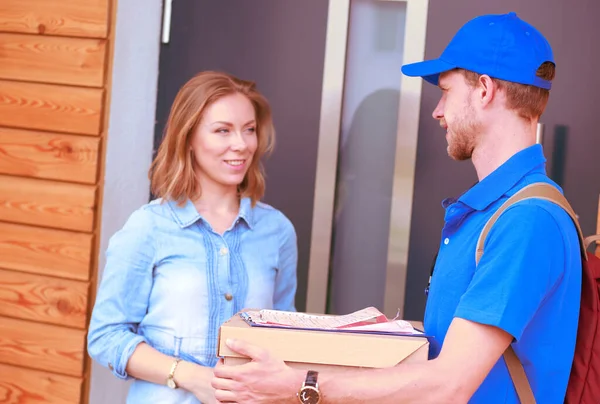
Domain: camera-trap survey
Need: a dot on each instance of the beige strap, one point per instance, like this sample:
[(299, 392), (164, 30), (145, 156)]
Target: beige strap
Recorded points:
[(539, 191), (518, 376), (590, 239)]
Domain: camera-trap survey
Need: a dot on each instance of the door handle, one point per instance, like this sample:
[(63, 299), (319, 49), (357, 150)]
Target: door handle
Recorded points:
[(539, 134), (166, 22)]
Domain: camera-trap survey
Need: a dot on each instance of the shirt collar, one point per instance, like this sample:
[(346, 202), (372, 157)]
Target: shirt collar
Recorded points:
[(505, 177), (246, 212), (187, 214)]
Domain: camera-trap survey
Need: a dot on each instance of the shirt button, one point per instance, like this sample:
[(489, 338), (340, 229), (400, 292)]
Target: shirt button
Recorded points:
[(110, 366), (447, 241), (228, 297), (223, 251)]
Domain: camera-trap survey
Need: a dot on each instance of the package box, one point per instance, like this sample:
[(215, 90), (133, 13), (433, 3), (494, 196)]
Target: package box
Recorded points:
[(321, 350)]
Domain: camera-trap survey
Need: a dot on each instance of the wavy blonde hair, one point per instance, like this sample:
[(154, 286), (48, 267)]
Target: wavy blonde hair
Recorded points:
[(172, 174)]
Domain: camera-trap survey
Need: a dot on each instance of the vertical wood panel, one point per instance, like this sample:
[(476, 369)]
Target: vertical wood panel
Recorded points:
[(49, 155), (47, 59), (41, 346), (50, 107), (47, 203), (44, 299), (84, 18), (52, 88), (25, 386), (100, 196), (45, 251)]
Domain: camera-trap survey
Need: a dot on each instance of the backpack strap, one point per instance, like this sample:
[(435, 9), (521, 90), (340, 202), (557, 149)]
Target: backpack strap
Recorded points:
[(590, 239), (539, 190), (550, 193)]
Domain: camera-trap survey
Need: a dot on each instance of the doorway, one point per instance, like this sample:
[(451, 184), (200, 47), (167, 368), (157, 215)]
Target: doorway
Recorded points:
[(280, 45), (366, 160), (330, 70)]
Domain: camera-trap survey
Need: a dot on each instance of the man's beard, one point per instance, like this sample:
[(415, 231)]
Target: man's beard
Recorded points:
[(463, 135)]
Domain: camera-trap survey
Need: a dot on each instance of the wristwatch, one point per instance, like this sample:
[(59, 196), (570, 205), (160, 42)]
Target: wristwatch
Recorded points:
[(309, 392), (170, 379)]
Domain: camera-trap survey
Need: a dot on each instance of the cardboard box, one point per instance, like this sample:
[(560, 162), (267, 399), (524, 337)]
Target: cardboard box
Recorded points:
[(319, 350)]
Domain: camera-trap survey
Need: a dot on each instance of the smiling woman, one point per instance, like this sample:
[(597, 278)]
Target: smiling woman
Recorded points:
[(212, 103), (202, 251), (224, 143)]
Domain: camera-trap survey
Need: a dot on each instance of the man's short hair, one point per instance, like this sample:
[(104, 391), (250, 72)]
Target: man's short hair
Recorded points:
[(528, 101)]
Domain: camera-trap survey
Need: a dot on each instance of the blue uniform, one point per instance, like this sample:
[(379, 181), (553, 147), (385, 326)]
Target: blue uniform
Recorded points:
[(528, 282)]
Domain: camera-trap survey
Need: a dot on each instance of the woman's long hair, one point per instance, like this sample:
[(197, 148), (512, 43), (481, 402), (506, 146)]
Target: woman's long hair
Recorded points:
[(172, 173)]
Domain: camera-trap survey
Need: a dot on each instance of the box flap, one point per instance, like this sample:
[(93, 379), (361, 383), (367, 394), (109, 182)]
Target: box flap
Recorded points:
[(333, 348)]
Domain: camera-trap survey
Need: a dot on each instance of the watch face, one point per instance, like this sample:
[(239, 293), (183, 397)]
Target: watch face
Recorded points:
[(309, 395)]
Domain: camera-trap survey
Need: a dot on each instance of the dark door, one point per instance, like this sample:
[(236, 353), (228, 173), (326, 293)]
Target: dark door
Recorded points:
[(571, 137), (279, 44)]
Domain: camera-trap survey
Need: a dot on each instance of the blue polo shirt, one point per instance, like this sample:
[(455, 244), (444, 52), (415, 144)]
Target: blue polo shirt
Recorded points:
[(528, 282)]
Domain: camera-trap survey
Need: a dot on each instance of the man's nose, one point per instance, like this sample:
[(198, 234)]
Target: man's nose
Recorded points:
[(438, 112)]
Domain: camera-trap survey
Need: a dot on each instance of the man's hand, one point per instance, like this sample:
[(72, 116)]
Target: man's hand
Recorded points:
[(264, 380)]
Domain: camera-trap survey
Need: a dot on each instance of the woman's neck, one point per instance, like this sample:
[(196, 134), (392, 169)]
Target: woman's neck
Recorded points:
[(217, 199)]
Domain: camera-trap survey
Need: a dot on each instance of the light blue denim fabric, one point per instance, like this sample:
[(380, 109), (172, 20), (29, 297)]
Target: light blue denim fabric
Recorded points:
[(166, 279)]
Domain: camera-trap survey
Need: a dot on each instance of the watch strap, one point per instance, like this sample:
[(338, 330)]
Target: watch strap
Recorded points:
[(311, 378), (309, 392)]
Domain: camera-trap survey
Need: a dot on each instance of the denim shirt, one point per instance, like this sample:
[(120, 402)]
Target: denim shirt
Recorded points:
[(171, 281)]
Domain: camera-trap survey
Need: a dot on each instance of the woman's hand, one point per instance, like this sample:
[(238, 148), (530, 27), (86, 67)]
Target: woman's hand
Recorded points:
[(197, 380), (146, 363)]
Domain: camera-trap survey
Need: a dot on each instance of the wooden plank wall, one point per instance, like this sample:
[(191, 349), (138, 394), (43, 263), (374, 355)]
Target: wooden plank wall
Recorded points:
[(55, 63)]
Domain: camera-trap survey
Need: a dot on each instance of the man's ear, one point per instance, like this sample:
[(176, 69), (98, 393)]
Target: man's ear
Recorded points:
[(486, 90)]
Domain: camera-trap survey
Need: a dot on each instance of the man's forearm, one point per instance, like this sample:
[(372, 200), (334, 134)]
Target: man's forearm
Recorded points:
[(425, 382)]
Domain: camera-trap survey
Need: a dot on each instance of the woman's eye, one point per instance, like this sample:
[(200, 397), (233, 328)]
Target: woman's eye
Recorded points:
[(222, 130), (252, 129)]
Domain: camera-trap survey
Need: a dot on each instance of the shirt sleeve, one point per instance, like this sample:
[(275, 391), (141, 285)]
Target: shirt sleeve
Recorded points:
[(286, 279), (522, 263), (122, 298)]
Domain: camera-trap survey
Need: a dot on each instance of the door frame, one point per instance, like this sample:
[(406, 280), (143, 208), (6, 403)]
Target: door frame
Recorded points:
[(328, 149)]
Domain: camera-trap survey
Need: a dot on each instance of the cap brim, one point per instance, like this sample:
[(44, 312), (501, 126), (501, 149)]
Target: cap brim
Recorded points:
[(430, 70)]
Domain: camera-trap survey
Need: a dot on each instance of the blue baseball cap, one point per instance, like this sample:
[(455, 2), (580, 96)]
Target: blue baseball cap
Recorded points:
[(502, 46)]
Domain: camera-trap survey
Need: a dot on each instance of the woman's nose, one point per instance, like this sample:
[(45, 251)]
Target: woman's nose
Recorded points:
[(238, 142)]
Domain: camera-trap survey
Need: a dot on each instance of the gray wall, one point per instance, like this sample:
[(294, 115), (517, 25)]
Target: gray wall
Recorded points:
[(129, 147), (570, 120)]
